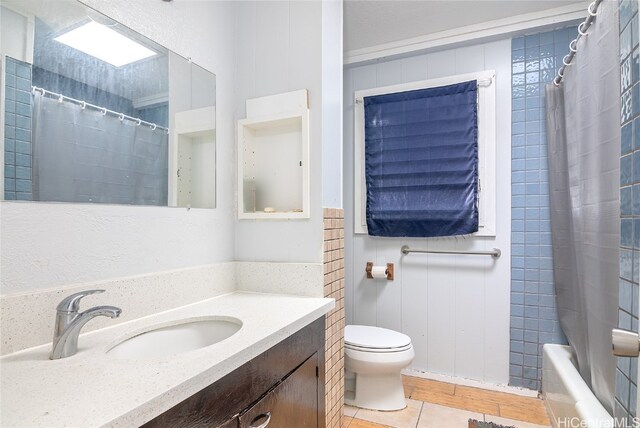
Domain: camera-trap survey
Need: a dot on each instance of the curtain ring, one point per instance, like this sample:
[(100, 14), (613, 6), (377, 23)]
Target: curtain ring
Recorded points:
[(167, 131), (589, 9), (139, 121), (121, 117), (153, 127), (565, 60), (573, 45), (104, 111), (582, 33), (561, 72), (60, 99), (556, 81), (83, 105)]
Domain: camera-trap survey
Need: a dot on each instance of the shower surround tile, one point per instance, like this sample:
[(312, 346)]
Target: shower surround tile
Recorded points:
[(625, 75), (534, 319), (628, 289), (17, 137)]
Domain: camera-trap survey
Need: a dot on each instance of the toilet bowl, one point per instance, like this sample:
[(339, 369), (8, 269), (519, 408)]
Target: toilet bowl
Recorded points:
[(373, 359)]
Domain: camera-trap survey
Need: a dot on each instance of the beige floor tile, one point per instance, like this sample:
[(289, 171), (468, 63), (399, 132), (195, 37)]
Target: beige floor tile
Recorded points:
[(436, 416), (512, 422), (400, 419), (350, 410)]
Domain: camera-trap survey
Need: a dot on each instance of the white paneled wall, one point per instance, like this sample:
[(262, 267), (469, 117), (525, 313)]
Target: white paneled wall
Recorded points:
[(454, 308)]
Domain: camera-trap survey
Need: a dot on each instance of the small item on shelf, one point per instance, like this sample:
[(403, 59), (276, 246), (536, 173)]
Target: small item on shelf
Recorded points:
[(296, 210), (269, 209)]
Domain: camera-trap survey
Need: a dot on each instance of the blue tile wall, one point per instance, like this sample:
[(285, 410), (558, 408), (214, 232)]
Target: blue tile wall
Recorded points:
[(534, 319), (17, 131), (627, 369)]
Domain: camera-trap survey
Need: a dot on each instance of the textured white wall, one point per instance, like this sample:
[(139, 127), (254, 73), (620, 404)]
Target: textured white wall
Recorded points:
[(48, 244), (279, 49), (454, 308)]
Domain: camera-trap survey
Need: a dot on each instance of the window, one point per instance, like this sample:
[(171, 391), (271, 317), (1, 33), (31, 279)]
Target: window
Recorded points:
[(485, 138)]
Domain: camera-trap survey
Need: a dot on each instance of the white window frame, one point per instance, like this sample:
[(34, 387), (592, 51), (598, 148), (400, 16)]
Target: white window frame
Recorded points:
[(486, 145)]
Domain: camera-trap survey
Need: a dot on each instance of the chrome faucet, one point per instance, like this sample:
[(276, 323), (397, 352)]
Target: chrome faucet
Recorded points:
[(69, 323)]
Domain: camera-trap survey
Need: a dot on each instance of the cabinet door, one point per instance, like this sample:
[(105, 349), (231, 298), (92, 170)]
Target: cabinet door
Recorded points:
[(231, 423), (293, 403)]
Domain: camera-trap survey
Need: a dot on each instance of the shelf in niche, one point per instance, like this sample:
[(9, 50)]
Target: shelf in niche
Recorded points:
[(273, 159), (193, 177)]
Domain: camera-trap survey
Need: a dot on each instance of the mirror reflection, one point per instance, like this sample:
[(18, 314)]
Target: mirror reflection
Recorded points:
[(96, 113)]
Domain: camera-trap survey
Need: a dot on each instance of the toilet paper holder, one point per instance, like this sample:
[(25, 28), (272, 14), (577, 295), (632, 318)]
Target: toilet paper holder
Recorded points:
[(388, 271)]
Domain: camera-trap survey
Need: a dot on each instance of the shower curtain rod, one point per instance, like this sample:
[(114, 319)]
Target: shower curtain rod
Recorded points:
[(592, 11), (104, 110)]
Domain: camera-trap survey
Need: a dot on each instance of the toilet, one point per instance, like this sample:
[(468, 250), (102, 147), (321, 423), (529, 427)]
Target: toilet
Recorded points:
[(373, 359)]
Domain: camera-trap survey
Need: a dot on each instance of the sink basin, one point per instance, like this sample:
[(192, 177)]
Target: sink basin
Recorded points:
[(177, 338)]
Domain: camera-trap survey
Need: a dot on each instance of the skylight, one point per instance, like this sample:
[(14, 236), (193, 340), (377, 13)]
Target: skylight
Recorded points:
[(105, 44)]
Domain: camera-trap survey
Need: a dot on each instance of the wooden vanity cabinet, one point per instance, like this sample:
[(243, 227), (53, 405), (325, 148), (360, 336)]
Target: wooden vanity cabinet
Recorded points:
[(292, 403), (286, 381)]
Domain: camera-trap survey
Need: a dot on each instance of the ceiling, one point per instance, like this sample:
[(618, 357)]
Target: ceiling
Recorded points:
[(369, 23)]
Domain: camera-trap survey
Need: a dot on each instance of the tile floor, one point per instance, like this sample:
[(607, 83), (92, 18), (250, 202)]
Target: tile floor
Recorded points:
[(433, 404)]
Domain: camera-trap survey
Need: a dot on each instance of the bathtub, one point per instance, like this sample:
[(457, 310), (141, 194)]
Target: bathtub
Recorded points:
[(567, 397)]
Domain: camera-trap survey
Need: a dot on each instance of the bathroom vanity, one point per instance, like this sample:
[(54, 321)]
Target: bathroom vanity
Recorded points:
[(273, 366), (284, 385)]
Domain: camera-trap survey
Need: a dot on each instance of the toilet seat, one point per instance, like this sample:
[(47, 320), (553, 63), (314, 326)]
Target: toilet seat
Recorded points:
[(376, 350), (375, 339)]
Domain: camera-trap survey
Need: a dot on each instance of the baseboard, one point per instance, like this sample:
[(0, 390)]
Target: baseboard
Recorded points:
[(524, 392)]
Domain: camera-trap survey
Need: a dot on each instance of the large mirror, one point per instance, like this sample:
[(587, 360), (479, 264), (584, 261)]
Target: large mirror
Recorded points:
[(94, 112)]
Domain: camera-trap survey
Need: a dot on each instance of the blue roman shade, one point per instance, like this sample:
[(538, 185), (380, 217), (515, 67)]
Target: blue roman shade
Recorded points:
[(421, 162)]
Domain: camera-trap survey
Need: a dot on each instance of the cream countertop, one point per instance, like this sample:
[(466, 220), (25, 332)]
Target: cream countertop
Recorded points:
[(94, 389)]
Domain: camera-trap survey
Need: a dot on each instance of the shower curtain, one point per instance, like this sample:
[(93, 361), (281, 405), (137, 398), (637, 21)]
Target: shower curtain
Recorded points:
[(84, 156), (583, 133)]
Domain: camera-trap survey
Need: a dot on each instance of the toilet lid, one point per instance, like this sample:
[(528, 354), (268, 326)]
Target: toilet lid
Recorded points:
[(374, 337)]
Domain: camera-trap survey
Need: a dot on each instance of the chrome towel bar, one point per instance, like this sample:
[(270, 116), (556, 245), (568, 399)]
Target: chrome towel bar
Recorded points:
[(496, 253)]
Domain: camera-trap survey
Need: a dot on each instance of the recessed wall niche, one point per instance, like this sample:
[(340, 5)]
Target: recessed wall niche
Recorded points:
[(273, 158)]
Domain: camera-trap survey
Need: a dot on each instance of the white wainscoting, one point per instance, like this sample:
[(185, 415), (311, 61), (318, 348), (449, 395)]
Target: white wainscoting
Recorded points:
[(454, 308)]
